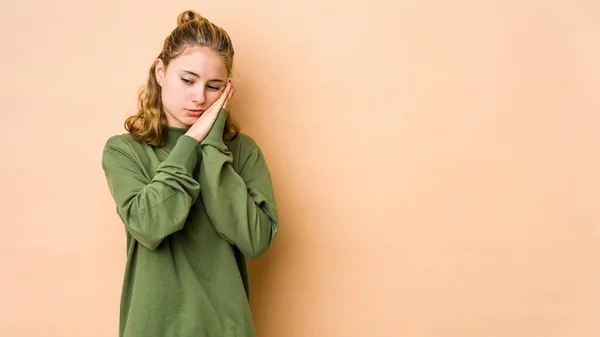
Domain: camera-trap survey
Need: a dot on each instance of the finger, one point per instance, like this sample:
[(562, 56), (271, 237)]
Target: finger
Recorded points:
[(227, 89), (223, 98), (231, 92), (218, 104), (224, 94)]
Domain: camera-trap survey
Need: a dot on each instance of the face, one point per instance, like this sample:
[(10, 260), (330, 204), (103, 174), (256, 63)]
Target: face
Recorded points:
[(190, 84)]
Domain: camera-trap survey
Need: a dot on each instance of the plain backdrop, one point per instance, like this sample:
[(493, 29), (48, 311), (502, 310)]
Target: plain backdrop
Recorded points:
[(435, 162)]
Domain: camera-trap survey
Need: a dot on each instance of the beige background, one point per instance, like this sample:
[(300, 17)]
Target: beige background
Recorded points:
[(435, 162)]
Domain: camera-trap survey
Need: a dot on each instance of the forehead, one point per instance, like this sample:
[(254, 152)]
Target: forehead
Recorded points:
[(201, 61)]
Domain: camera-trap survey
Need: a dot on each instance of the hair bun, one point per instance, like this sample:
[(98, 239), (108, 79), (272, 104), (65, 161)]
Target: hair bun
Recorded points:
[(188, 16)]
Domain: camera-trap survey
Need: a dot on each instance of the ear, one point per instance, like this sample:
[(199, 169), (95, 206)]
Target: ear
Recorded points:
[(159, 71)]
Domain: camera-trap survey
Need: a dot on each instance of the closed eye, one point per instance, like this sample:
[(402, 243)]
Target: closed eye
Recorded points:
[(186, 81)]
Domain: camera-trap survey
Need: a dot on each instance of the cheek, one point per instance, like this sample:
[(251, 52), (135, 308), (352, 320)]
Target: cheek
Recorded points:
[(172, 91), (212, 96)]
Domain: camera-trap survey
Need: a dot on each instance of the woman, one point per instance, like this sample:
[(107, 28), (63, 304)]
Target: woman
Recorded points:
[(194, 194)]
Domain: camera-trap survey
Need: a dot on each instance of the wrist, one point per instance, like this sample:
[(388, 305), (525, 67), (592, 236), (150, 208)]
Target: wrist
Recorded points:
[(215, 134)]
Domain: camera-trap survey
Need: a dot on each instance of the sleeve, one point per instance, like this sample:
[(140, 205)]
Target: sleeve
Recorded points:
[(152, 209), (241, 206)]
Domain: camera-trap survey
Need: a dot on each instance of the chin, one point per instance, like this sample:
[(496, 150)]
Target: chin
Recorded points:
[(188, 121)]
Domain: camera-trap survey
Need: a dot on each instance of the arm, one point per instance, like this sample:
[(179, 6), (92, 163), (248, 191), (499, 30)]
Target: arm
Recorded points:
[(241, 206), (152, 209)]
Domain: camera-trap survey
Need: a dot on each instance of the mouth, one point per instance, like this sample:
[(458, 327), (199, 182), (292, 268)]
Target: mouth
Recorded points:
[(194, 112)]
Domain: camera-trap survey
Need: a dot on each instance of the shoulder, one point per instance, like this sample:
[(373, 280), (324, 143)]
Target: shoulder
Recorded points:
[(124, 142), (123, 145), (117, 141), (246, 153), (243, 144)]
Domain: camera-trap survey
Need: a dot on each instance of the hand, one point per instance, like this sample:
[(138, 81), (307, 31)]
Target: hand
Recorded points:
[(200, 129)]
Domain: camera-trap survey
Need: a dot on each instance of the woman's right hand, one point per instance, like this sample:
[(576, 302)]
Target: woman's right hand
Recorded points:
[(200, 129)]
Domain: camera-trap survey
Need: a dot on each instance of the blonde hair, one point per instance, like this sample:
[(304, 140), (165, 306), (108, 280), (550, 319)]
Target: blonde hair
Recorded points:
[(149, 123)]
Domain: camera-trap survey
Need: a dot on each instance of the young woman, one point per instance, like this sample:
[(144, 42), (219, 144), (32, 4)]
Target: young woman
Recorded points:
[(194, 194)]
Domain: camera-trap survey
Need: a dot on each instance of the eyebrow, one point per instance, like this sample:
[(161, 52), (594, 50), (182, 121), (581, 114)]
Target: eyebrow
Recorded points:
[(194, 74)]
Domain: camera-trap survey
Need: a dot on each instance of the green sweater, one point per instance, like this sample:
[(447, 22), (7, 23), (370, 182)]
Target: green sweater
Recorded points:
[(193, 212)]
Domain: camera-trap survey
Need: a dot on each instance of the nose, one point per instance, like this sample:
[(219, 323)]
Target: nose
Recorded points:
[(198, 97)]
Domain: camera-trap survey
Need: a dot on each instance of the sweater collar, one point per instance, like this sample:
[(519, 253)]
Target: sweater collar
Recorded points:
[(173, 134)]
